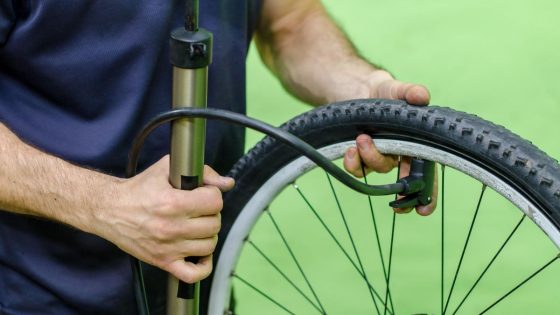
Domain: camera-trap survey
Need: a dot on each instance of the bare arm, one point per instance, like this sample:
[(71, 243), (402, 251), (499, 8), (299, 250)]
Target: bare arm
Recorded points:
[(300, 43), (144, 215), (314, 60), (38, 184)]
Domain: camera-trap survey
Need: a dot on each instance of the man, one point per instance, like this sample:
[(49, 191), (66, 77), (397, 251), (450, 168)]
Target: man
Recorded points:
[(78, 79)]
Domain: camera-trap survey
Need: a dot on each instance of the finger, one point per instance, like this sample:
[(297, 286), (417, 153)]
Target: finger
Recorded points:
[(198, 247), (372, 158), (404, 166), (189, 272), (429, 209), (170, 230), (412, 93), (202, 227), (404, 170), (403, 210), (211, 177), (202, 201), (417, 95), (352, 162)]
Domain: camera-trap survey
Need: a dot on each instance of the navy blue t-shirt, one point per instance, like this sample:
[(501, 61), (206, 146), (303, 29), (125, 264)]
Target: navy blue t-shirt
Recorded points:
[(78, 79)]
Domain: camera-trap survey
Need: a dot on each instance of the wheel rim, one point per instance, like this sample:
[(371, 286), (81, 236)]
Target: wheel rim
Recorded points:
[(252, 211)]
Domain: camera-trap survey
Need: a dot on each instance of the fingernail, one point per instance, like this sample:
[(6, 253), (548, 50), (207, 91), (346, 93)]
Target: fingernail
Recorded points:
[(403, 210), (423, 210), (351, 153), (363, 145)]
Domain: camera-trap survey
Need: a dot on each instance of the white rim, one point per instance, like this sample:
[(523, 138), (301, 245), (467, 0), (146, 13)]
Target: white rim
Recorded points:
[(219, 294)]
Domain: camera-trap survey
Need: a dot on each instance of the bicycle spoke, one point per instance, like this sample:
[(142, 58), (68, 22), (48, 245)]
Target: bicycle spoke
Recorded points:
[(283, 275), (391, 243), (390, 258), (520, 284), (328, 230), (338, 244), (295, 259), (351, 239), (490, 263), (378, 240), (262, 294), (442, 234), (464, 248)]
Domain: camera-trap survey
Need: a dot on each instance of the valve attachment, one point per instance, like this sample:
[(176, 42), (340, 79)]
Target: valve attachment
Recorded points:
[(418, 186)]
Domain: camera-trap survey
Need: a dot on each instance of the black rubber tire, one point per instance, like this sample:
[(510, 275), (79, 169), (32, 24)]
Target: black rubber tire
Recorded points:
[(490, 146), (511, 158)]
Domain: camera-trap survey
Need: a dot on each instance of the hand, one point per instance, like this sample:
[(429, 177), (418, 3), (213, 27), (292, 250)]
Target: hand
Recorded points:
[(382, 85), (162, 225)]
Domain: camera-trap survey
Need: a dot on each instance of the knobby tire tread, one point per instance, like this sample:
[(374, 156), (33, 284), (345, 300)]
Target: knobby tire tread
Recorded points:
[(485, 142)]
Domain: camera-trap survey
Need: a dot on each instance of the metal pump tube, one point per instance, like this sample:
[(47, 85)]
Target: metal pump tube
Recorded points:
[(190, 54), (188, 135), (186, 169)]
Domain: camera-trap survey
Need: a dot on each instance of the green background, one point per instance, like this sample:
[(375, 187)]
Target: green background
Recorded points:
[(496, 59)]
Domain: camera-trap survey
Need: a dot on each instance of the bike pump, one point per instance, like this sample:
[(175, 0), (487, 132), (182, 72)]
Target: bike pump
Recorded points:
[(190, 54)]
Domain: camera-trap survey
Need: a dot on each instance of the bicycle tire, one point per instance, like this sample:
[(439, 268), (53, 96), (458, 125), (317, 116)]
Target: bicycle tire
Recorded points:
[(512, 160)]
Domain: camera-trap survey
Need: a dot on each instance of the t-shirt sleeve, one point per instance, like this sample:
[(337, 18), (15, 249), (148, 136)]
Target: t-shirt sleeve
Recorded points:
[(7, 19)]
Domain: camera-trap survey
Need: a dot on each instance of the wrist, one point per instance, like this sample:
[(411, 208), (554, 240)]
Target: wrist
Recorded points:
[(107, 199)]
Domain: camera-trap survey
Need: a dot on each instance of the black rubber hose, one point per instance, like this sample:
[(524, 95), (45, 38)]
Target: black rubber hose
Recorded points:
[(191, 15), (276, 133), (139, 287)]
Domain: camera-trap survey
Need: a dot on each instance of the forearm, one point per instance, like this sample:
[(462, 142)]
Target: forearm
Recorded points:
[(144, 215), (35, 183), (312, 57)]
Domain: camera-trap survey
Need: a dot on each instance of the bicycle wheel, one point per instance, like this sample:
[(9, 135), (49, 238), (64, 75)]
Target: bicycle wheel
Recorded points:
[(303, 244)]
